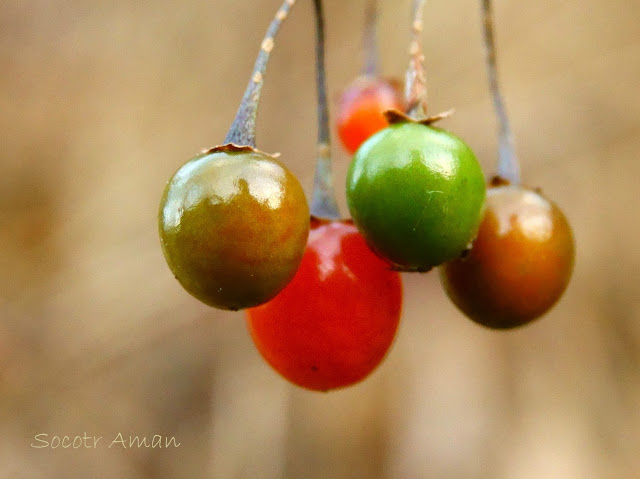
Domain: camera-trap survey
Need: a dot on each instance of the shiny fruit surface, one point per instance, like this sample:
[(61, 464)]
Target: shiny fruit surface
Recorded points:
[(233, 227), (361, 107), (416, 194), (334, 323), (520, 263)]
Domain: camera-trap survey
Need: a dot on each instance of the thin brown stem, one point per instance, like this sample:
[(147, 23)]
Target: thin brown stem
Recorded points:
[(323, 201), (370, 39), (243, 129), (508, 165), (416, 82)]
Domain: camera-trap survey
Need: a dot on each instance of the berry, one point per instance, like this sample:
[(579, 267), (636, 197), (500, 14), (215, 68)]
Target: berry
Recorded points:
[(361, 107), (233, 226), (234, 221), (415, 193), (520, 263), (333, 324)]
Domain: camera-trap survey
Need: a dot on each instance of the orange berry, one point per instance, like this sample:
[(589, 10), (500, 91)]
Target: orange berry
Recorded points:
[(361, 107)]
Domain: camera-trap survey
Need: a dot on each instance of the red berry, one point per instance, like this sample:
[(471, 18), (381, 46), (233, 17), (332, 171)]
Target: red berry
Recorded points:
[(520, 263), (360, 112), (334, 323)]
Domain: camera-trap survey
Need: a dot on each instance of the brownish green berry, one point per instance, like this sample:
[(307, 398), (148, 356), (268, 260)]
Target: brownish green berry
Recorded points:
[(233, 226), (520, 263)]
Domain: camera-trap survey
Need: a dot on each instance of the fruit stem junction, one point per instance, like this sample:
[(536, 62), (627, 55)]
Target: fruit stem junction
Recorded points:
[(323, 201), (416, 82), (243, 129), (508, 165)]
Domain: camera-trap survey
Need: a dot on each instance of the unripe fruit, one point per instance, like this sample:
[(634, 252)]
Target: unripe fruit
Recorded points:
[(233, 226), (520, 263), (416, 193)]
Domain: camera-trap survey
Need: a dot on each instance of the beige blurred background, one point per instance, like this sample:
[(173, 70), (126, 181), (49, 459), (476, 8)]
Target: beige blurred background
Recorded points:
[(101, 101)]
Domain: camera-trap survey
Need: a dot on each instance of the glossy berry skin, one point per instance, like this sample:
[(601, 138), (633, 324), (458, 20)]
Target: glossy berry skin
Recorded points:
[(361, 107), (416, 194), (233, 227), (520, 263), (334, 323)]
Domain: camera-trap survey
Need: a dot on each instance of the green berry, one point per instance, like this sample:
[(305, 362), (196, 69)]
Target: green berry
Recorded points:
[(416, 194)]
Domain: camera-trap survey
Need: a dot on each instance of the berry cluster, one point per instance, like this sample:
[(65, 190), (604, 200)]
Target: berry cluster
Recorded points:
[(323, 295)]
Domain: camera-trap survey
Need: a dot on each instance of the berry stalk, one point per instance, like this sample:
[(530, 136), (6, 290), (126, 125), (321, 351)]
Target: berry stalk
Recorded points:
[(370, 39), (323, 201), (243, 129), (508, 165), (416, 82)]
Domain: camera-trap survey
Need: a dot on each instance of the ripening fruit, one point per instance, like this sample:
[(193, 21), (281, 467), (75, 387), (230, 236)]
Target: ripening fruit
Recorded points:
[(233, 227), (520, 263), (361, 107), (334, 323), (416, 193)]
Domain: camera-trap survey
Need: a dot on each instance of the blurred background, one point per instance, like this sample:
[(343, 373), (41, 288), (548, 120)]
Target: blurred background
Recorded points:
[(100, 102)]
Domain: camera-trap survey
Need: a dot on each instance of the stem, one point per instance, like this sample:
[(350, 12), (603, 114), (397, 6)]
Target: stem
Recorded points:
[(416, 82), (243, 129), (370, 39), (323, 201), (508, 165)]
